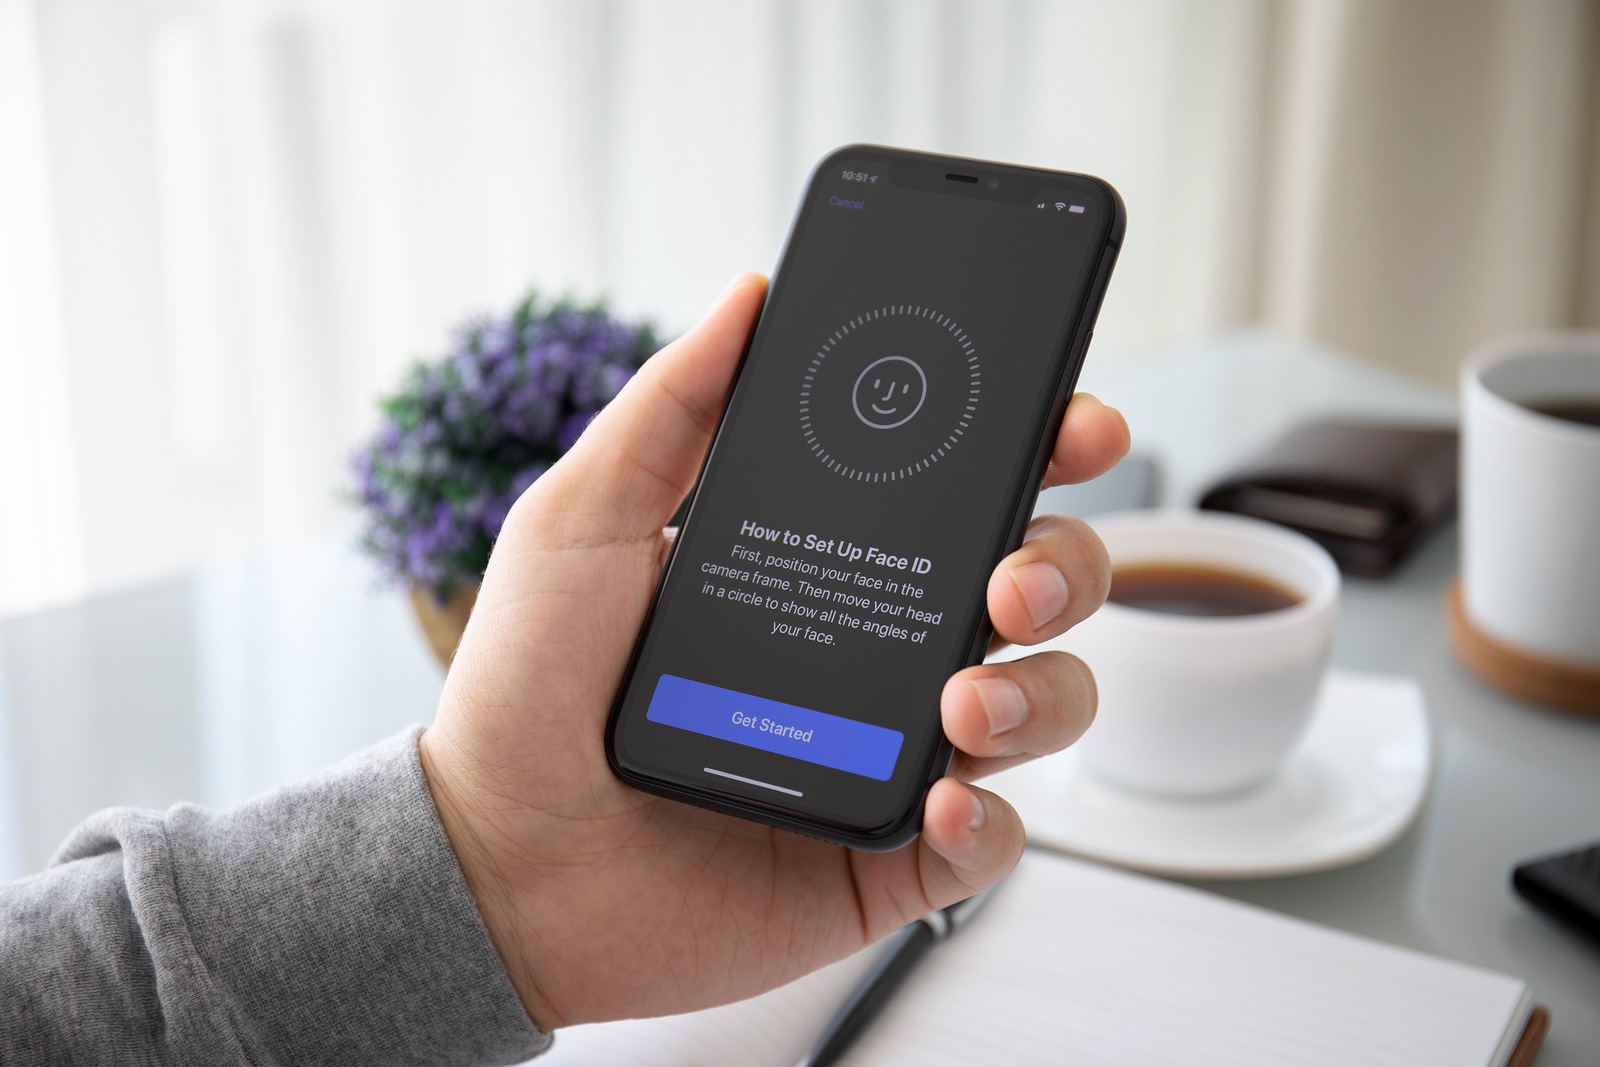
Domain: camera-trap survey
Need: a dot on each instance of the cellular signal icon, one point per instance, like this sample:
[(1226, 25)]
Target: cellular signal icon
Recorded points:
[(1043, 206)]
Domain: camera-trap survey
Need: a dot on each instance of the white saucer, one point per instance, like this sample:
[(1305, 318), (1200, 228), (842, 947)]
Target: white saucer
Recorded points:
[(1354, 784)]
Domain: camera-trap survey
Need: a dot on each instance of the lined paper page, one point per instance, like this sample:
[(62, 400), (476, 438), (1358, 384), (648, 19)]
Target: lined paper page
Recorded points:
[(1076, 963), (776, 1028)]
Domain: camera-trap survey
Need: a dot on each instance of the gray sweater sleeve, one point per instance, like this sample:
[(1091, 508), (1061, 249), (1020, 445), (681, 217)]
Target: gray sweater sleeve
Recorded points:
[(326, 922)]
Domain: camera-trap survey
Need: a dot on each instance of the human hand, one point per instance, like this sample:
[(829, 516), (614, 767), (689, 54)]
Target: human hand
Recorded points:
[(605, 902)]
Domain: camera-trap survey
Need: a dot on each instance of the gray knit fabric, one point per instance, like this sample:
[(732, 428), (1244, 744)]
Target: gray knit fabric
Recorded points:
[(323, 923)]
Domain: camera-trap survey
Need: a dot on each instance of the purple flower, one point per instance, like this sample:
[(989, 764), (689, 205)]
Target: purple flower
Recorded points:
[(465, 436), (572, 429)]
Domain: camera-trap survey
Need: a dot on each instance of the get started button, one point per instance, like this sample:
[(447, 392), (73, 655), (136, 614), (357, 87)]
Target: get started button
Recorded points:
[(773, 726)]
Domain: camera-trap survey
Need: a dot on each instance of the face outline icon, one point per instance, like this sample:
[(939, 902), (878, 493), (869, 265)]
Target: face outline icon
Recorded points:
[(889, 392)]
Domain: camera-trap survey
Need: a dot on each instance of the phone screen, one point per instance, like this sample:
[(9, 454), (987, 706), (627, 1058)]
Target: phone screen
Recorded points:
[(867, 475)]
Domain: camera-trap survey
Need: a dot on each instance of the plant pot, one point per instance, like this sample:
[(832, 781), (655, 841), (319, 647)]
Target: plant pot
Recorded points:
[(443, 622)]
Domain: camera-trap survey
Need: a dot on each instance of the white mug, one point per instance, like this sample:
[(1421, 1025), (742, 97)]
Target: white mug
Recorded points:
[(1530, 497), (1202, 706)]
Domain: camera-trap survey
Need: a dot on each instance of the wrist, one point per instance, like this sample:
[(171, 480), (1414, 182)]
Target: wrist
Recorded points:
[(467, 825)]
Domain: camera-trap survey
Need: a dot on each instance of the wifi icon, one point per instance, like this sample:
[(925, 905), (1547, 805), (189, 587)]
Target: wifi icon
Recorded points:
[(1060, 205)]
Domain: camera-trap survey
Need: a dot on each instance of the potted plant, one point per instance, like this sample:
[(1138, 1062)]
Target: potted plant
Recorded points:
[(467, 433)]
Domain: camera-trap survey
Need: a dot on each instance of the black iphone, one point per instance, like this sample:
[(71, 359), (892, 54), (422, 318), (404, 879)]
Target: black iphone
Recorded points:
[(880, 452)]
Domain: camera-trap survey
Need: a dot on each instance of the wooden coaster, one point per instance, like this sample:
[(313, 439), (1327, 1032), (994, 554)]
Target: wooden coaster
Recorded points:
[(1553, 683)]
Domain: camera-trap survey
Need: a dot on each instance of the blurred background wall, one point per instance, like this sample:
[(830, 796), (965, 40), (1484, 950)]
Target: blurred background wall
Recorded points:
[(226, 225)]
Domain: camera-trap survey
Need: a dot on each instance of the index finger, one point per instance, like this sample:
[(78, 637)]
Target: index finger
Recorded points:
[(1093, 438)]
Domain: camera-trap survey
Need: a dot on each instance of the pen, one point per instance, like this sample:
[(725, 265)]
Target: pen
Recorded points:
[(899, 958)]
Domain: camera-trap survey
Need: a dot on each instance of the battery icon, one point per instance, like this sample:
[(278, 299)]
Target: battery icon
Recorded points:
[(1076, 209)]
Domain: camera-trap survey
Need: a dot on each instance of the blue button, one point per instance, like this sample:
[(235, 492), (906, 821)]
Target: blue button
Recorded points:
[(789, 730)]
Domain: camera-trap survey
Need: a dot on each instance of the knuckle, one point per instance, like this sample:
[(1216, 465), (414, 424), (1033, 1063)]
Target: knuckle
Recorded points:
[(1064, 696)]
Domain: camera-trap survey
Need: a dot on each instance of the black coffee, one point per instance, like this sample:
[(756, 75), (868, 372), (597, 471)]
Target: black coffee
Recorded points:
[(1584, 410), (1192, 589)]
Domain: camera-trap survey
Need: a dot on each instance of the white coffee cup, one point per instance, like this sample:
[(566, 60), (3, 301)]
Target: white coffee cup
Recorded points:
[(1203, 706), (1530, 497)]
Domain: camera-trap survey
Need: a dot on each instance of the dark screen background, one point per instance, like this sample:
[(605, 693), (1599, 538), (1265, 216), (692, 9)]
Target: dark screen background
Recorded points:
[(982, 296)]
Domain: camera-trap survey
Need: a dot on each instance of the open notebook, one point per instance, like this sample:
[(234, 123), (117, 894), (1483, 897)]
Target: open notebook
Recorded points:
[(1076, 963)]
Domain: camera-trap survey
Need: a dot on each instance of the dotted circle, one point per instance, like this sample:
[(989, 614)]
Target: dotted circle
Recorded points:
[(969, 408)]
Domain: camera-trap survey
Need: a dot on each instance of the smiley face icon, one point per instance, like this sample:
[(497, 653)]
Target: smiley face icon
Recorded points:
[(889, 392), (930, 400)]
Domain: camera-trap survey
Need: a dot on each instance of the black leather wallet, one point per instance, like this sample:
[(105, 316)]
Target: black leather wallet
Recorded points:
[(1566, 886), (1368, 492)]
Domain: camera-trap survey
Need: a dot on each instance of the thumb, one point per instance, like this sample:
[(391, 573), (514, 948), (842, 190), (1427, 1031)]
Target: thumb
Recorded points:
[(638, 459)]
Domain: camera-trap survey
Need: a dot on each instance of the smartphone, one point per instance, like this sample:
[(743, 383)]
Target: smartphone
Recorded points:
[(880, 451)]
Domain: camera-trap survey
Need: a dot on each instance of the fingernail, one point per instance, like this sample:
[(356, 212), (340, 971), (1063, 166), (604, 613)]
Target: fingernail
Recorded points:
[(1043, 589), (980, 814), (1003, 702)]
